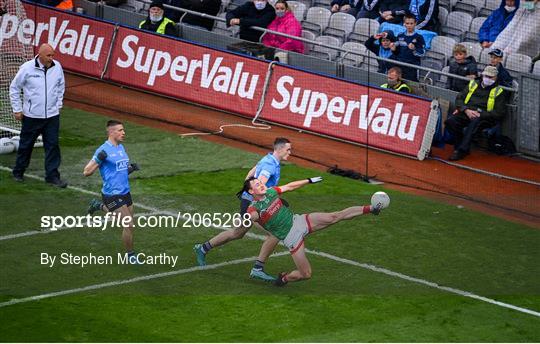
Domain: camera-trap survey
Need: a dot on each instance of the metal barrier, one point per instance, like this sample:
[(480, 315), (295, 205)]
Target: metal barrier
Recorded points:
[(528, 115)]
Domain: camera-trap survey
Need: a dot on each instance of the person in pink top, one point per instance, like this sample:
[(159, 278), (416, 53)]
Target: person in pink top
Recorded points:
[(285, 22)]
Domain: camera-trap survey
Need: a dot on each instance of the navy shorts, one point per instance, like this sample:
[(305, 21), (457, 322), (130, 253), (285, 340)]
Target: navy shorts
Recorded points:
[(113, 202)]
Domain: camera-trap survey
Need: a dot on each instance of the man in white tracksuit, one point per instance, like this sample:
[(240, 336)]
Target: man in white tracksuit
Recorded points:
[(42, 84), (522, 35)]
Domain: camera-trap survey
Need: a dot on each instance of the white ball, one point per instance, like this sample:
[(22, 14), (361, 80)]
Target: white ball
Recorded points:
[(6, 146), (15, 141), (381, 198)]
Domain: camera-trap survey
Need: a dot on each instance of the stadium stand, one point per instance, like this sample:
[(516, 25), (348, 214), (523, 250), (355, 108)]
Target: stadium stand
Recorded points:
[(317, 19), (350, 58), (363, 29), (299, 9), (340, 26)]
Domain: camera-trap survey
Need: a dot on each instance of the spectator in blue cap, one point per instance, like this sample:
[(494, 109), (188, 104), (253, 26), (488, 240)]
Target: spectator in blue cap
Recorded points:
[(505, 79)]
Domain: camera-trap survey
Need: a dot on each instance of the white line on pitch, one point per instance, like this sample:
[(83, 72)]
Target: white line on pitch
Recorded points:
[(133, 280), (47, 231), (354, 263)]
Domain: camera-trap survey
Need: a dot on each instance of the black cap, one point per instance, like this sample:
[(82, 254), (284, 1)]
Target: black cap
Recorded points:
[(496, 52), (157, 3)]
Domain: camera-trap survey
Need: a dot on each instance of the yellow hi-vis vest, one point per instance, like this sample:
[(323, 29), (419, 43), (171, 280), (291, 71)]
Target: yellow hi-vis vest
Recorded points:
[(494, 93), (402, 86), (161, 27)]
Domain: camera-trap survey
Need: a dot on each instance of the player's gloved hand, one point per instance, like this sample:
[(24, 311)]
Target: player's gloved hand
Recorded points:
[(102, 156), (133, 167), (314, 180)]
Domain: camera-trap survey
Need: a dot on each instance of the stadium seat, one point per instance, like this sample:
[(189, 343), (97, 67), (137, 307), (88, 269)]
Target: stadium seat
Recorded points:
[(370, 62), (443, 15), (299, 9), (325, 52), (363, 29), (340, 26), (432, 63), (308, 35), (133, 5), (441, 48), (235, 3), (489, 7), (322, 3), (472, 34), (447, 4), (471, 7), (443, 79), (220, 27), (355, 54), (308, 3), (456, 25), (518, 63), (536, 68), (473, 49), (316, 19)]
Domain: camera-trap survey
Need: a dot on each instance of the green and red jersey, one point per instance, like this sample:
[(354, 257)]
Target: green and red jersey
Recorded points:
[(274, 216)]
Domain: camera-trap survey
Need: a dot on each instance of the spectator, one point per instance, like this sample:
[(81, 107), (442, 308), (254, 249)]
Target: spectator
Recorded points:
[(66, 5), (480, 105), (395, 82), (369, 9), (461, 64), (409, 47), (522, 36), (496, 22), (505, 79), (42, 84), (253, 13), (210, 7), (340, 6), (392, 11), (156, 22), (427, 14), (285, 22), (386, 39)]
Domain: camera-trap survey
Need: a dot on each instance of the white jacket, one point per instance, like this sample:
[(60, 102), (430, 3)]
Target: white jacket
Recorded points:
[(522, 35), (43, 90)]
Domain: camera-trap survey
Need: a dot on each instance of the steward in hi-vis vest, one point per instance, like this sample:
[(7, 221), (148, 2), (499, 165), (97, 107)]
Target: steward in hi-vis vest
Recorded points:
[(395, 81), (156, 22), (481, 104)]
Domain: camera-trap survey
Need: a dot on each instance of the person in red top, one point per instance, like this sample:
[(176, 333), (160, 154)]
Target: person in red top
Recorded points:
[(284, 22)]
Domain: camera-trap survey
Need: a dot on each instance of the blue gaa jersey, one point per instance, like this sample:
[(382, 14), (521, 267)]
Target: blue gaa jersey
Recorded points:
[(268, 167), (114, 169)]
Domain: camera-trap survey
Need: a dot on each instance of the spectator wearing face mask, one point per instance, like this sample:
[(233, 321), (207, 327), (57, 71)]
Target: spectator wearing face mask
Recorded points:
[(284, 22), (496, 22), (156, 22), (253, 13), (482, 104), (522, 35), (395, 81)]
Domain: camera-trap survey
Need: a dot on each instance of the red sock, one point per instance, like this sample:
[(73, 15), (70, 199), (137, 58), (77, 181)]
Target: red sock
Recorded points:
[(366, 209)]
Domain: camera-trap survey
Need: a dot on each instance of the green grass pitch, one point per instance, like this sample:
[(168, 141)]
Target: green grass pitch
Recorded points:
[(417, 237)]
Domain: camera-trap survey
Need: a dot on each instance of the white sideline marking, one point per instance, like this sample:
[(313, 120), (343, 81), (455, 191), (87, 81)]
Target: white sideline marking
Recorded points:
[(133, 280), (39, 231), (328, 256)]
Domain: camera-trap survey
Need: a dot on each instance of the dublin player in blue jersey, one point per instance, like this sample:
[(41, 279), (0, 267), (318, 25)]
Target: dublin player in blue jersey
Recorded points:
[(113, 163), (268, 172)]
